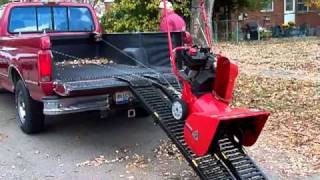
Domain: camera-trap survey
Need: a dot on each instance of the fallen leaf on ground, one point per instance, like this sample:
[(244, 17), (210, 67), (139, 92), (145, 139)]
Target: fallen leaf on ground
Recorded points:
[(2, 137), (282, 76)]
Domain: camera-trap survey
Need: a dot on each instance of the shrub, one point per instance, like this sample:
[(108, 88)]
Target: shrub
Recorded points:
[(138, 15), (291, 24)]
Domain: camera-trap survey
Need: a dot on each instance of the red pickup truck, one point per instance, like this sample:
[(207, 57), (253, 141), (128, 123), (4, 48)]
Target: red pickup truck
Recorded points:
[(41, 45)]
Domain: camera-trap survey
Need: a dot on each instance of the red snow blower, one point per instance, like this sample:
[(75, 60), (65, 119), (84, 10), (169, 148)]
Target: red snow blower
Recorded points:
[(208, 81)]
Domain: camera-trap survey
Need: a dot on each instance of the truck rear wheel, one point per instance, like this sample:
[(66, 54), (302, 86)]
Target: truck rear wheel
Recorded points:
[(29, 112)]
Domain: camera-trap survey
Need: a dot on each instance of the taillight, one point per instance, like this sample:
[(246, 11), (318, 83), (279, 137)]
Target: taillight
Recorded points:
[(44, 66)]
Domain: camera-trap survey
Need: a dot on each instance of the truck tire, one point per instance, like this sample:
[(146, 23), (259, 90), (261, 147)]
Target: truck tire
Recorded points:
[(30, 115), (2, 90)]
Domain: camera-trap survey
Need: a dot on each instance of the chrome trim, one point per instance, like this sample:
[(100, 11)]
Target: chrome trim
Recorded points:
[(32, 82), (21, 107), (61, 106), (5, 75)]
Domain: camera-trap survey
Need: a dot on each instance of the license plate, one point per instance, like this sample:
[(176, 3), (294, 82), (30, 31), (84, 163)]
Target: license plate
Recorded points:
[(123, 97)]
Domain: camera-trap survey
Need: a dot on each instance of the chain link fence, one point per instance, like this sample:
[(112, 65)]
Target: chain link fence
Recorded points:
[(237, 31)]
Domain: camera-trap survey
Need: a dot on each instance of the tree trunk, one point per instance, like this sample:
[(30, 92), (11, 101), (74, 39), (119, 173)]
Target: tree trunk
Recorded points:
[(197, 30), (195, 13), (210, 6)]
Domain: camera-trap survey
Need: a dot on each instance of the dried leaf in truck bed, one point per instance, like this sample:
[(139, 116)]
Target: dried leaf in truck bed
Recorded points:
[(85, 61)]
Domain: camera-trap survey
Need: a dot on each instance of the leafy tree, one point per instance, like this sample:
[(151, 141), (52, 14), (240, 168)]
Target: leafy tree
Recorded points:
[(240, 5), (138, 15), (251, 4), (315, 3), (3, 2)]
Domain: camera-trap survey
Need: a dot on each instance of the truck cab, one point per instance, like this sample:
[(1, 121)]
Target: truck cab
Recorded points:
[(47, 59)]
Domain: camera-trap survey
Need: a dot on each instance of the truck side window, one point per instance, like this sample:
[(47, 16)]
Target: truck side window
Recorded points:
[(44, 19), (80, 19), (32, 19), (23, 20), (60, 19)]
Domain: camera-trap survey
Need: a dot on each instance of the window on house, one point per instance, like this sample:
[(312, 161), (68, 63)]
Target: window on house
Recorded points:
[(301, 6), (268, 8), (289, 5)]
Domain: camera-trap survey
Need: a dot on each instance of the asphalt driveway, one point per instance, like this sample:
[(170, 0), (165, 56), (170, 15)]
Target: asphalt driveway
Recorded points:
[(117, 145), (84, 146)]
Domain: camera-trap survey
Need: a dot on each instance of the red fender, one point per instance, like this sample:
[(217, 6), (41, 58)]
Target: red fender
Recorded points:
[(201, 128), (199, 132)]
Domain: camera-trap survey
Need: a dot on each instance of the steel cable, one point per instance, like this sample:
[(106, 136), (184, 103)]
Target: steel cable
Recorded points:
[(140, 63)]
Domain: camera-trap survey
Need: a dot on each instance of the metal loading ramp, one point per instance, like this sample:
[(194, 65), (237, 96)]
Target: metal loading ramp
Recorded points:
[(229, 162)]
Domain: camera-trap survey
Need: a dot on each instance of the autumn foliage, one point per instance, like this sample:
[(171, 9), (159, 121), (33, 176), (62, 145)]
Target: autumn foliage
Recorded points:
[(138, 15), (313, 3)]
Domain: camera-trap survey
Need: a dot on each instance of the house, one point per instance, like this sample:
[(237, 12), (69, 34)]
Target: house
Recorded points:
[(280, 12)]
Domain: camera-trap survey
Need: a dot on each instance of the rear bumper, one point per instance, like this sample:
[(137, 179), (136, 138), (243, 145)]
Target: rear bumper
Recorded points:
[(54, 105)]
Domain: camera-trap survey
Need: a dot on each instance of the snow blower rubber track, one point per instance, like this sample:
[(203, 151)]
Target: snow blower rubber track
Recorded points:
[(230, 162)]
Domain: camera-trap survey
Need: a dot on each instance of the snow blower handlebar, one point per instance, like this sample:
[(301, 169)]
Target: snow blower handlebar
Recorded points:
[(204, 16), (172, 58), (172, 52)]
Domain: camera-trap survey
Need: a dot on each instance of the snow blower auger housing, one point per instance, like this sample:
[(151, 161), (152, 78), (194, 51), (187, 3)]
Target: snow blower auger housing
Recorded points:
[(208, 82)]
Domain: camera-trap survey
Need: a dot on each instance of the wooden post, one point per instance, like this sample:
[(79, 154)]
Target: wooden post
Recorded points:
[(215, 31), (237, 35)]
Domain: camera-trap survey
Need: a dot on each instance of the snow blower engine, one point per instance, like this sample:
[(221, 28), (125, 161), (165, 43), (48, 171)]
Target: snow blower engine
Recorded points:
[(208, 82)]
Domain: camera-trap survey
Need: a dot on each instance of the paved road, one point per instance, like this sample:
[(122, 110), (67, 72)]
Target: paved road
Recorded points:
[(71, 140)]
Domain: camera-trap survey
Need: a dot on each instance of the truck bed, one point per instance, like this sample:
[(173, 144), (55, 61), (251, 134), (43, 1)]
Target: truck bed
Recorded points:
[(150, 49), (96, 79)]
